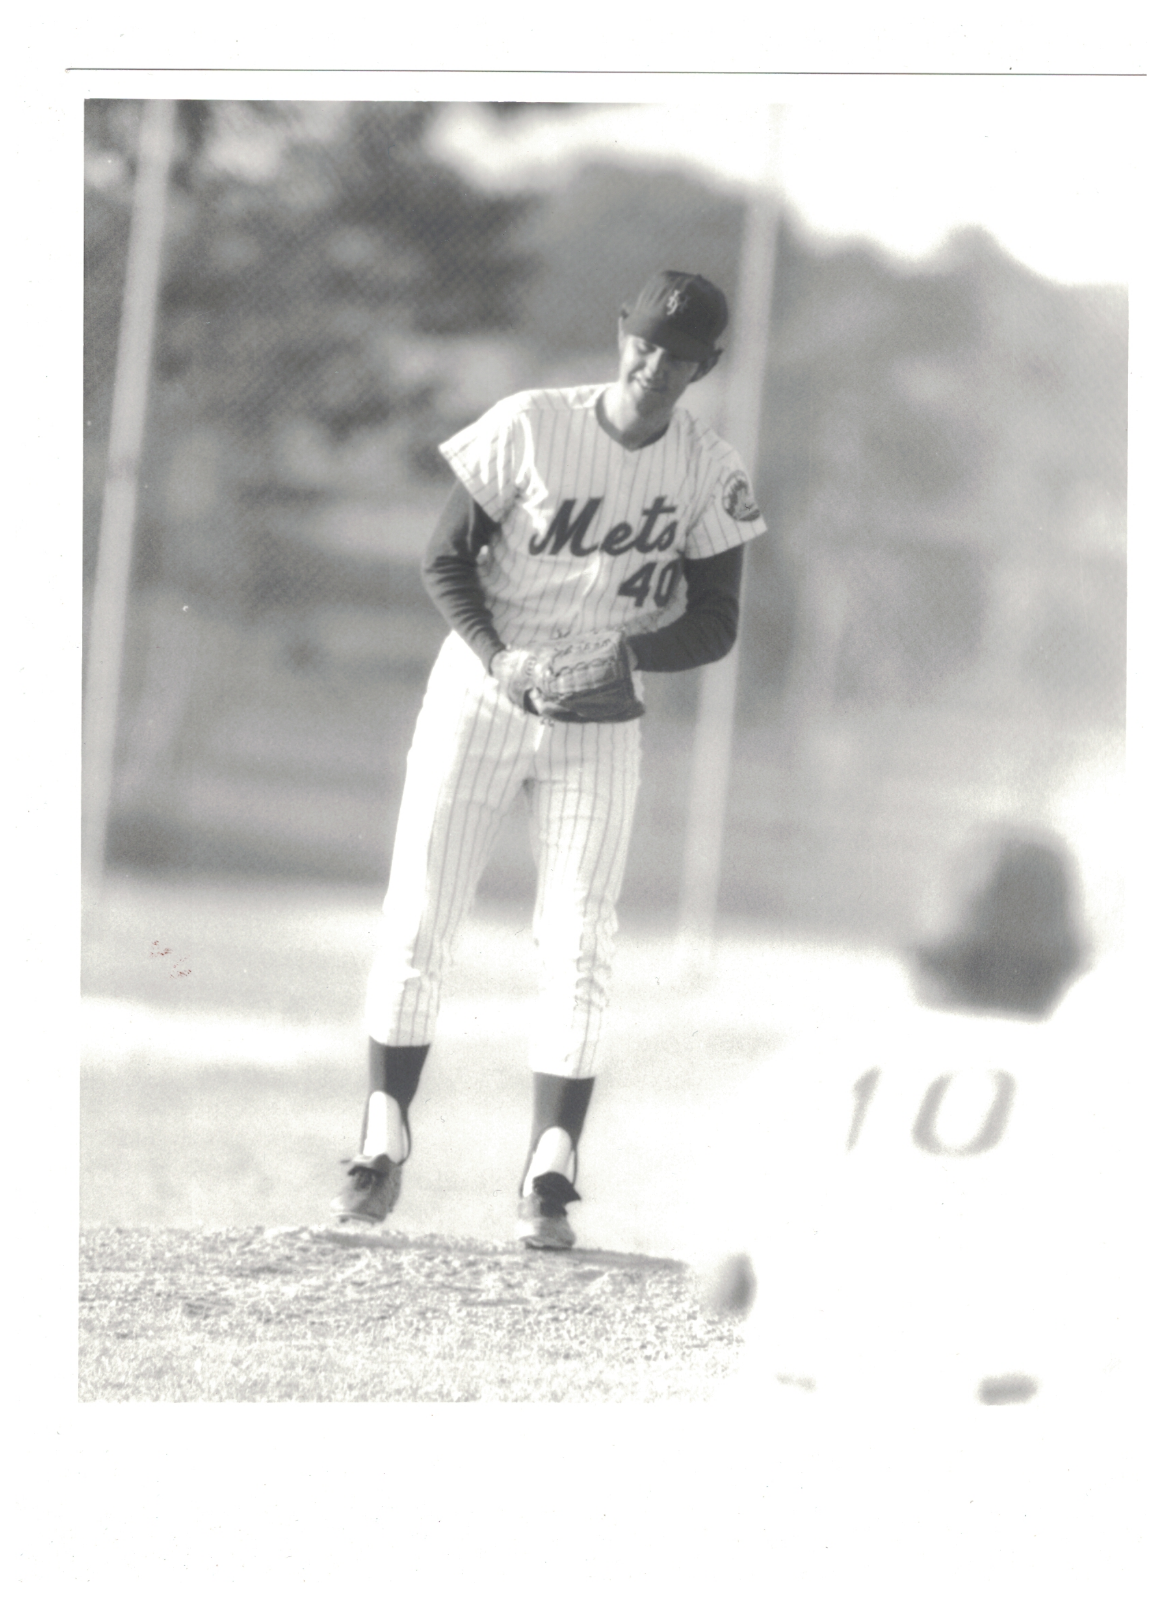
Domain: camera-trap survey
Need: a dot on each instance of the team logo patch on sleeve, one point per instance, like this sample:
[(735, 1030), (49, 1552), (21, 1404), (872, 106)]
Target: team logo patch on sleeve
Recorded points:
[(738, 501)]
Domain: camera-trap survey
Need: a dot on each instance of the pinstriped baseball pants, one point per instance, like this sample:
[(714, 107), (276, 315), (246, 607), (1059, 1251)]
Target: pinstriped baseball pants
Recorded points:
[(472, 754)]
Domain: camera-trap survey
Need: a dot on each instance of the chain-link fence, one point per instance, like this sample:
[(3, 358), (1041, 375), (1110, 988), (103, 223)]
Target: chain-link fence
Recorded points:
[(933, 631)]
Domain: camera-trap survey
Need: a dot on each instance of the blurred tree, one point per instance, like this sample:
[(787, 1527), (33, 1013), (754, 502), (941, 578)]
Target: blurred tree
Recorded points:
[(307, 244), (603, 233), (284, 289)]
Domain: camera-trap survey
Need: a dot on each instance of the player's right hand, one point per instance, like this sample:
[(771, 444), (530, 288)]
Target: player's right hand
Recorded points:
[(517, 672)]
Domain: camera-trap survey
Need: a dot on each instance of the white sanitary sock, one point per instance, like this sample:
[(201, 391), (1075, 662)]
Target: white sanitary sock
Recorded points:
[(386, 1134), (554, 1153)]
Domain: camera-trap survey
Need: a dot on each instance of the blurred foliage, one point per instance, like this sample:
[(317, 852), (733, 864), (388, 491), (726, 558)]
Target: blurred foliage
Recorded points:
[(286, 287), (601, 237)]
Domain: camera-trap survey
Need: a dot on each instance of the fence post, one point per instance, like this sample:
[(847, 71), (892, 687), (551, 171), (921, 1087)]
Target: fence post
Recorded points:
[(122, 471), (715, 722)]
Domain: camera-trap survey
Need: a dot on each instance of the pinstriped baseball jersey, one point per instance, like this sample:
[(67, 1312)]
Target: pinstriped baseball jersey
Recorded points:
[(593, 534)]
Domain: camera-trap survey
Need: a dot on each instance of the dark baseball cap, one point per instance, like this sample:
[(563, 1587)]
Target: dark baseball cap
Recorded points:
[(680, 311)]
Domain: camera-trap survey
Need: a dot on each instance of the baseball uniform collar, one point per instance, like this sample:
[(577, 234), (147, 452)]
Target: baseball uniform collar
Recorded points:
[(608, 427)]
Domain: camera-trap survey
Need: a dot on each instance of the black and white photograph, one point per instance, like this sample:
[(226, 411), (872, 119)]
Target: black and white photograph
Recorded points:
[(607, 867)]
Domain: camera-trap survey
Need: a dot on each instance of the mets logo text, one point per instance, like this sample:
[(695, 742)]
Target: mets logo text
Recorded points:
[(571, 532)]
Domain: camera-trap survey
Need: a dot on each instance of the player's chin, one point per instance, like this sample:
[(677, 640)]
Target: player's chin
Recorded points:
[(651, 400)]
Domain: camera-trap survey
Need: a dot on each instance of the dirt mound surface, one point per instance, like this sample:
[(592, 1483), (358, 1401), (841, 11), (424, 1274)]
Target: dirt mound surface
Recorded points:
[(331, 1314)]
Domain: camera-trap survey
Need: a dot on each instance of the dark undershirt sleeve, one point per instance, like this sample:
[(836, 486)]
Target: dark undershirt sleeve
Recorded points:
[(706, 630), (451, 576)]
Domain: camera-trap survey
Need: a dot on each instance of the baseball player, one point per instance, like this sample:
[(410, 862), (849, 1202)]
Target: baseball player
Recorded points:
[(936, 1197), (594, 534)]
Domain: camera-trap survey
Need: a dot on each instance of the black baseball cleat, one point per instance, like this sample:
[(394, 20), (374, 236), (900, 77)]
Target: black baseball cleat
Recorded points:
[(541, 1220), (370, 1191)]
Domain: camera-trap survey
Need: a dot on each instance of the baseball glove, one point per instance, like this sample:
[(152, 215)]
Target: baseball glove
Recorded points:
[(586, 679)]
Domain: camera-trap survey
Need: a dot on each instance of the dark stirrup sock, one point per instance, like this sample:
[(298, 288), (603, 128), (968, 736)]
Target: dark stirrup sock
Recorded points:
[(394, 1069), (557, 1103)]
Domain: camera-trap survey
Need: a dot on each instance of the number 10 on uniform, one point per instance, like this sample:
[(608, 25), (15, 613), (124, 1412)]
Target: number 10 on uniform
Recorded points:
[(924, 1131)]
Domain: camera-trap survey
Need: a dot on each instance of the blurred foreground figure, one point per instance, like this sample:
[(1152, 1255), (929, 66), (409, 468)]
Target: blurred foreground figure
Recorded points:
[(1016, 946), (939, 1207)]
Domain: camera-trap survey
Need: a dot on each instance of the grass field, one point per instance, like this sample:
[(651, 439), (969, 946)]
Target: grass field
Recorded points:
[(222, 1082)]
